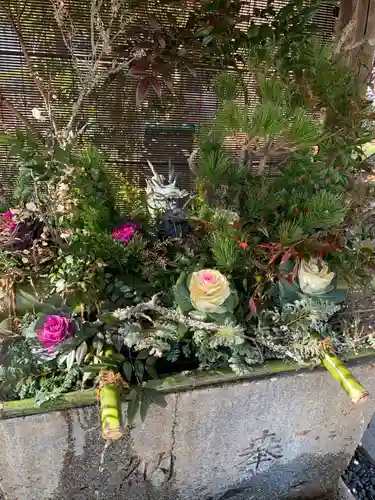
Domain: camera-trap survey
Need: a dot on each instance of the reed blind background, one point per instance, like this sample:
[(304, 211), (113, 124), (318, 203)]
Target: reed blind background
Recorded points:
[(159, 130)]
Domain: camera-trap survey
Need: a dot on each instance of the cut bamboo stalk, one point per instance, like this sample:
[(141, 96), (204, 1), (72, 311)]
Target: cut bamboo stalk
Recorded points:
[(342, 374), (110, 412), (345, 378), (110, 403)]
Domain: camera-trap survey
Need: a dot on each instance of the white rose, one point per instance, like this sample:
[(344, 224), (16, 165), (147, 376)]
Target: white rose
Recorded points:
[(314, 276)]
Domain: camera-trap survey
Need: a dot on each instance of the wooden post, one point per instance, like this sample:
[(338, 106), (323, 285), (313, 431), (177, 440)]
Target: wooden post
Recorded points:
[(345, 15), (355, 35)]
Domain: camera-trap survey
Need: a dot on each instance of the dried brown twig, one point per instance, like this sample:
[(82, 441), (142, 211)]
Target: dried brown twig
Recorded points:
[(43, 91), (105, 27), (101, 65), (10, 106)]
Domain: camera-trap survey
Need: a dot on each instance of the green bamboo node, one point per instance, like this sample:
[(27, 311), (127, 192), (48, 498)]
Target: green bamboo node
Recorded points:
[(345, 378), (110, 412)]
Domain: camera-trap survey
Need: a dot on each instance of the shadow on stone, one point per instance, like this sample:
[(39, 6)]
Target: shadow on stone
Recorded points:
[(124, 475), (116, 473), (308, 477)]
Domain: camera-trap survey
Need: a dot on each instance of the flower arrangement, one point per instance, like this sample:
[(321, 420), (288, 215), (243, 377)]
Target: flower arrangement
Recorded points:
[(245, 269)]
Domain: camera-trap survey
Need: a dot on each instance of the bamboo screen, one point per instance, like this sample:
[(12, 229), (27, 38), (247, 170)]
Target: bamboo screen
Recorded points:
[(159, 130)]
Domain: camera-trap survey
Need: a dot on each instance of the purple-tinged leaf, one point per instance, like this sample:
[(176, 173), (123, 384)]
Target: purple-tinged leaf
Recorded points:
[(252, 306), (155, 84), (142, 90)]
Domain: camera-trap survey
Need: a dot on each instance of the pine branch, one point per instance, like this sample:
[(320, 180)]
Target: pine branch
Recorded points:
[(265, 156)]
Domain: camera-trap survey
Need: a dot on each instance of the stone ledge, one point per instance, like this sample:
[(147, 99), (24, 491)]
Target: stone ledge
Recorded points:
[(170, 384), (276, 437)]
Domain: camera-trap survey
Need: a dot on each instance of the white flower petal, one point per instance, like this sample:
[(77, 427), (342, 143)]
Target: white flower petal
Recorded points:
[(37, 114), (31, 206), (314, 276)]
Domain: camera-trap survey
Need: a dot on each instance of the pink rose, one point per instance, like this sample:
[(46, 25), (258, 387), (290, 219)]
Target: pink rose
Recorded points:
[(125, 232), (55, 330)]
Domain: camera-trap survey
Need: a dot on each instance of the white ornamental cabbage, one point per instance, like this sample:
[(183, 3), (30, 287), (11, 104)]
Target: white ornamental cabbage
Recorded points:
[(314, 276), (209, 289)]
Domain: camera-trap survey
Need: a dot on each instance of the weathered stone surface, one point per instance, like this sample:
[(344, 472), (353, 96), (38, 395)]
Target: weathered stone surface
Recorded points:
[(281, 437), (284, 436), (344, 493), (32, 452)]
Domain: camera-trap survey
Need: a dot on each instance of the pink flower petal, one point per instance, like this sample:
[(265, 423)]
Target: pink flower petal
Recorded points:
[(207, 278)]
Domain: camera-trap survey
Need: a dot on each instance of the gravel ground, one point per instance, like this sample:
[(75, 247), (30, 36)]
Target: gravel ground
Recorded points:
[(360, 476)]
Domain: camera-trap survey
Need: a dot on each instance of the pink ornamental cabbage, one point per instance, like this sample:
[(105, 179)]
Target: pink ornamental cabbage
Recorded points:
[(125, 232), (8, 225), (55, 330), (7, 215)]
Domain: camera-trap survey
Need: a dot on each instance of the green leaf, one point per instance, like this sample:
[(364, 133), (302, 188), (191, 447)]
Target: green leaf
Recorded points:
[(145, 404), (81, 352), (127, 368), (133, 405), (118, 357), (182, 330), (157, 397), (154, 23), (139, 369), (117, 341), (198, 315), (204, 31), (182, 295), (150, 367), (335, 296), (70, 359), (96, 367), (29, 300), (61, 359), (232, 301), (143, 354), (6, 326), (61, 155), (107, 359), (288, 292)]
